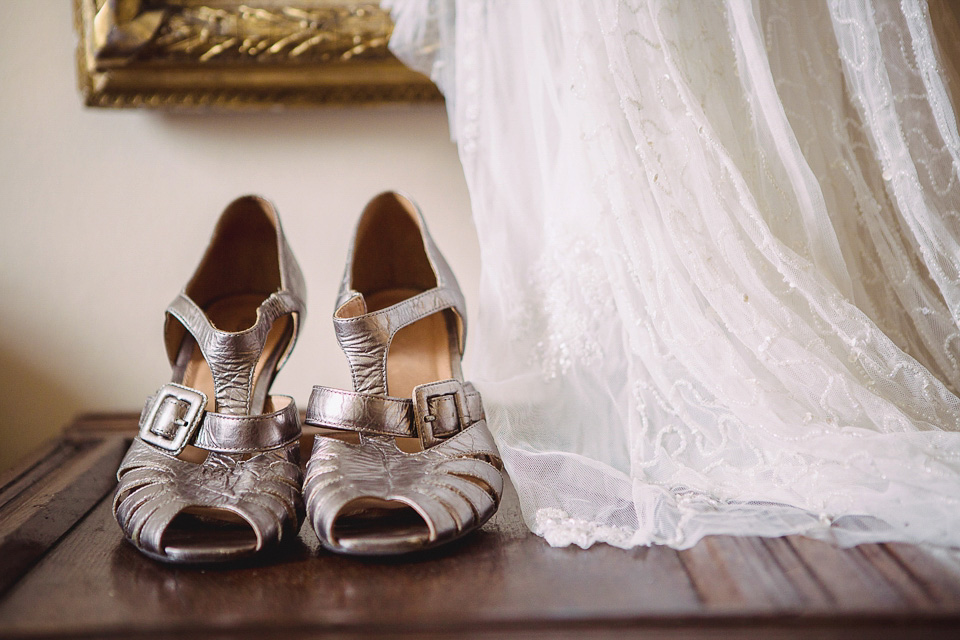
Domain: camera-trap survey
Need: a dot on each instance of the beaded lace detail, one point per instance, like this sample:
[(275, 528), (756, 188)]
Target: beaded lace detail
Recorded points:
[(721, 252)]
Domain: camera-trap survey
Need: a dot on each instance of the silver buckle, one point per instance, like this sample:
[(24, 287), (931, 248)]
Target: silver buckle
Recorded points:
[(174, 417), (423, 419)]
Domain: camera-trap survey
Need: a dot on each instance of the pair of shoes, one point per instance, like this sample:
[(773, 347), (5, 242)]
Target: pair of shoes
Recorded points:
[(401, 463)]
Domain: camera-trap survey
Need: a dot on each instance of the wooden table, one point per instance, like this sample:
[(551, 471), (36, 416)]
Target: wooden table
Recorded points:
[(65, 570)]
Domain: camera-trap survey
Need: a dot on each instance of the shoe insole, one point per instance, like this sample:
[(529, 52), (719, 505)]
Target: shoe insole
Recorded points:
[(370, 524)]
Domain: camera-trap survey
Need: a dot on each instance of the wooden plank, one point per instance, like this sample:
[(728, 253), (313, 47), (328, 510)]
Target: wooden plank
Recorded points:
[(811, 593), (31, 523), (895, 574), (82, 578), (102, 424), (93, 582), (851, 581), (747, 574), (36, 467), (937, 571), (716, 586), (23, 466)]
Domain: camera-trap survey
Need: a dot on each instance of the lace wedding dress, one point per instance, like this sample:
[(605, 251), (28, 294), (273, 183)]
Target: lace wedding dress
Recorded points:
[(720, 250)]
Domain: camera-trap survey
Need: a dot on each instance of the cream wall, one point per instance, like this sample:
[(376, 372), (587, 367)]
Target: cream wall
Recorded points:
[(105, 214)]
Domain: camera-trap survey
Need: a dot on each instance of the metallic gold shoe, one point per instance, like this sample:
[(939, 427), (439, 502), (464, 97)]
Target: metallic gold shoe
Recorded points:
[(214, 473), (405, 461)]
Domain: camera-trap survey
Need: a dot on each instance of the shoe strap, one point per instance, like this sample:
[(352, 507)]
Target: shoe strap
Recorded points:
[(233, 356), (437, 411), (175, 416), (225, 433), (365, 339)]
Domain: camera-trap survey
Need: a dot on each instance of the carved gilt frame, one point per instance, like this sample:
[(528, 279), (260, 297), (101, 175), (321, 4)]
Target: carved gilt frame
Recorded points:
[(239, 53)]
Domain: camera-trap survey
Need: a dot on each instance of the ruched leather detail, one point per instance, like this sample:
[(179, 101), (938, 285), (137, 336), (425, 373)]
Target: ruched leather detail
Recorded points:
[(245, 434), (376, 415), (154, 488), (232, 356)]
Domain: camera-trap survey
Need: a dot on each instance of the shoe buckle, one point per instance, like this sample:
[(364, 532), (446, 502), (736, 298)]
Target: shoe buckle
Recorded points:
[(173, 417), (430, 426)]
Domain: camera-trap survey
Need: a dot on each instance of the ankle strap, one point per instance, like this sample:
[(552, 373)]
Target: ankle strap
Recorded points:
[(437, 411), (175, 416)]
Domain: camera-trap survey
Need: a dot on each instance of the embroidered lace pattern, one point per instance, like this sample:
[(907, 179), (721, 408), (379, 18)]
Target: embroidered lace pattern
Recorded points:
[(721, 262)]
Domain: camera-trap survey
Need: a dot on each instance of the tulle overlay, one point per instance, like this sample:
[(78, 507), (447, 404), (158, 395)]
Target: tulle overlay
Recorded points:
[(721, 262)]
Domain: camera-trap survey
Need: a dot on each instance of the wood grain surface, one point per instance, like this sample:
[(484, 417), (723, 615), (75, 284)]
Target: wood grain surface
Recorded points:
[(65, 571)]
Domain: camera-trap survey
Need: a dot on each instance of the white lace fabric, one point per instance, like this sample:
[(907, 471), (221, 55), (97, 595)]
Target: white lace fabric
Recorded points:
[(720, 249)]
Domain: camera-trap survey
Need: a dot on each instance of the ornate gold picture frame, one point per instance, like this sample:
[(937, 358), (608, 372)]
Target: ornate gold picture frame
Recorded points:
[(239, 53)]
